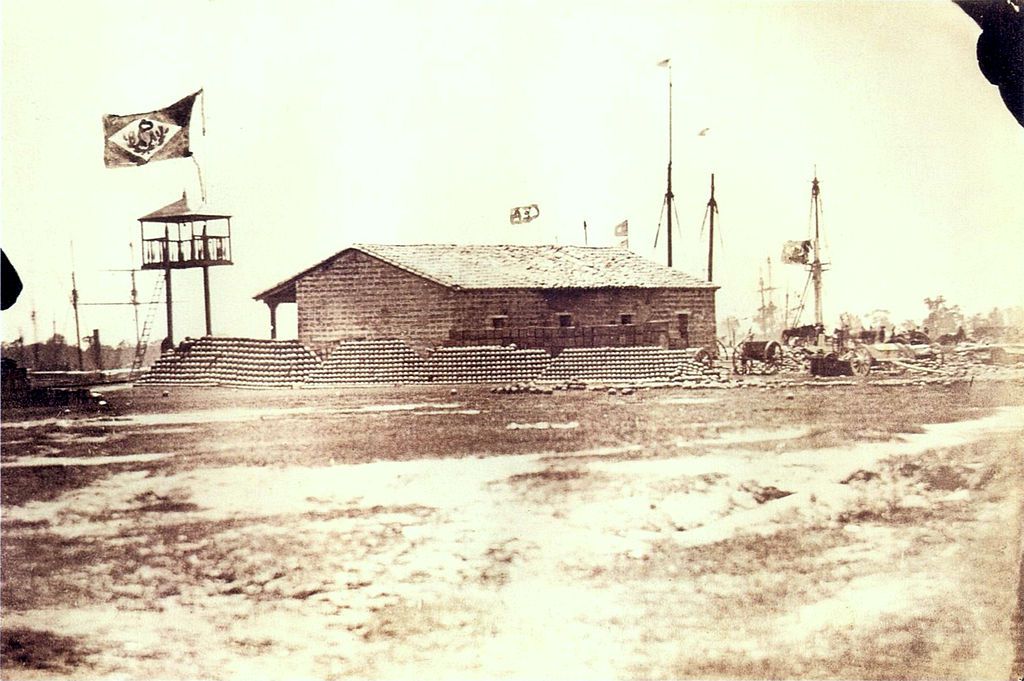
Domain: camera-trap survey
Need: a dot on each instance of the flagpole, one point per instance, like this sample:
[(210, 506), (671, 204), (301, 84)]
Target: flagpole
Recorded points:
[(712, 209), (668, 190)]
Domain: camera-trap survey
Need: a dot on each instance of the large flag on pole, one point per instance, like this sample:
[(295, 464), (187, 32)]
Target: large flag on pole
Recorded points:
[(622, 233), (137, 139)]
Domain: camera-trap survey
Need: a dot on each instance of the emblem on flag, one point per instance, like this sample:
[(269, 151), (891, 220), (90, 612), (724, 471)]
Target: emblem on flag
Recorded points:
[(137, 139), (796, 252), (521, 214), (622, 233)]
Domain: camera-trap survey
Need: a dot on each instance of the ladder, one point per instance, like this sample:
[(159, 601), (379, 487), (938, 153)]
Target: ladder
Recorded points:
[(147, 327)]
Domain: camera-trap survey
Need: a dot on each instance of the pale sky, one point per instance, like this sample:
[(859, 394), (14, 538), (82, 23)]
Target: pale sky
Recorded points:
[(329, 123)]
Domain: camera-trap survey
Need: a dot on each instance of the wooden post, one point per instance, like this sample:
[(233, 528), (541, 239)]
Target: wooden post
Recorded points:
[(167, 286), (273, 320), (206, 299)]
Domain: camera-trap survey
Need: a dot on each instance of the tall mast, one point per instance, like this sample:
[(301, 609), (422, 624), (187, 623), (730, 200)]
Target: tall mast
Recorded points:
[(74, 304), (135, 294), (712, 209), (35, 334), (668, 191), (816, 264)]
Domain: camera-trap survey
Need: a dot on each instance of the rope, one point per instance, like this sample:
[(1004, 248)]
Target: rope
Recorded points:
[(202, 109), (199, 171), (658, 231)]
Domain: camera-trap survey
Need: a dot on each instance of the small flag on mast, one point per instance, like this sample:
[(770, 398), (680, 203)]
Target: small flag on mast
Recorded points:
[(622, 233), (521, 214), (665, 62), (137, 139), (796, 252)]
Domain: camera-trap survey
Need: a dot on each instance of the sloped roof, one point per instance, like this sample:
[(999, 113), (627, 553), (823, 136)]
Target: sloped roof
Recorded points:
[(514, 267), (183, 210)]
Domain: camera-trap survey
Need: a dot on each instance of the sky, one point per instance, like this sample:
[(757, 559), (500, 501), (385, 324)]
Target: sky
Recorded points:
[(332, 123)]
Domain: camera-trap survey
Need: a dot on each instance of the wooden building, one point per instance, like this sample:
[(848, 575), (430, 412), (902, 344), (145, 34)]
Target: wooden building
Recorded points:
[(533, 296)]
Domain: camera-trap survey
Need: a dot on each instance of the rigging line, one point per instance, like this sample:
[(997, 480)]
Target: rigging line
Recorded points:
[(803, 300), (658, 231), (202, 108), (810, 219), (705, 220), (824, 233), (199, 171)]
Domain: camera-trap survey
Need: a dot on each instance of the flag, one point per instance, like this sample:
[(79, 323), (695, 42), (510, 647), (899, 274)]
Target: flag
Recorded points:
[(137, 139), (796, 252), (665, 62), (703, 132), (521, 214), (622, 232)]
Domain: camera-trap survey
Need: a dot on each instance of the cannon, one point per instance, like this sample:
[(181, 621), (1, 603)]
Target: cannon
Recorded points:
[(766, 356), (855, 362)]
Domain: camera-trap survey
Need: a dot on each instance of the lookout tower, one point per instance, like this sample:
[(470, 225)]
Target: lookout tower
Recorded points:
[(181, 236)]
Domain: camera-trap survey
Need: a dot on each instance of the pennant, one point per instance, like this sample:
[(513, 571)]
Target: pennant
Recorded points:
[(622, 233), (665, 62), (521, 214), (137, 139), (796, 252)]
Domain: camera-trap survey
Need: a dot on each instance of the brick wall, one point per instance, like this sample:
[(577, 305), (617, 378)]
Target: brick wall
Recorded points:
[(474, 309), (358, 297)]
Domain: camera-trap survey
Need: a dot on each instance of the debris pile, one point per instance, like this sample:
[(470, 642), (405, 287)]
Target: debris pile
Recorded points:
[(627, 365)]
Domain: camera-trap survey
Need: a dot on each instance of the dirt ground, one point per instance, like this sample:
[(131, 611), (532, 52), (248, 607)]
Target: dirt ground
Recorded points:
[(857, 532)]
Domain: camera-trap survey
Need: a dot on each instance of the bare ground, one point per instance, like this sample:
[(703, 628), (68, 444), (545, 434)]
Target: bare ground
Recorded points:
[(858, 532)]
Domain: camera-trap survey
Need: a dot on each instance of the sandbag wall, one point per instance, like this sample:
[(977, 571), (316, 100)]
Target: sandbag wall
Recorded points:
[(251, 363), (234, 362), (369, 361)]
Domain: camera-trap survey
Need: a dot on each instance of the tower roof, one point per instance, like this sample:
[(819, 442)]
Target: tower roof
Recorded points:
[(183, 210)]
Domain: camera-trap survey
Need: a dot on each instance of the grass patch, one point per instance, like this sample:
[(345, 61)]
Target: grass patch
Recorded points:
[(40, 649)]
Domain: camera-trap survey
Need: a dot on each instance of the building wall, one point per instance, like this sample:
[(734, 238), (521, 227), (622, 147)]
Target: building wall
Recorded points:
[(474, 309), (358, 297)]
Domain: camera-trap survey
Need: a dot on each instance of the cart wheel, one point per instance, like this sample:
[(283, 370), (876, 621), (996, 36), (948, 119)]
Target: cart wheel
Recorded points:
[(702, 356), (860, 363)]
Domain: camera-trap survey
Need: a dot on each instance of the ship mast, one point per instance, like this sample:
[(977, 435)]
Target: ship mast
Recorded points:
[(712, 209), (816, 263), (668, 191), (668, 204)]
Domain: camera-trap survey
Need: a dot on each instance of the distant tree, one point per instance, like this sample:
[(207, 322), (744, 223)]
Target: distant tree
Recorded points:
[(942, 318), (995, 317), (1014, 316), (851, 322), (732, 326), (880, 318)]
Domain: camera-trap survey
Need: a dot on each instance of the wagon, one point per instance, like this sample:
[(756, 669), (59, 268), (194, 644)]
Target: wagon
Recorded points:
[(766, 356)]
